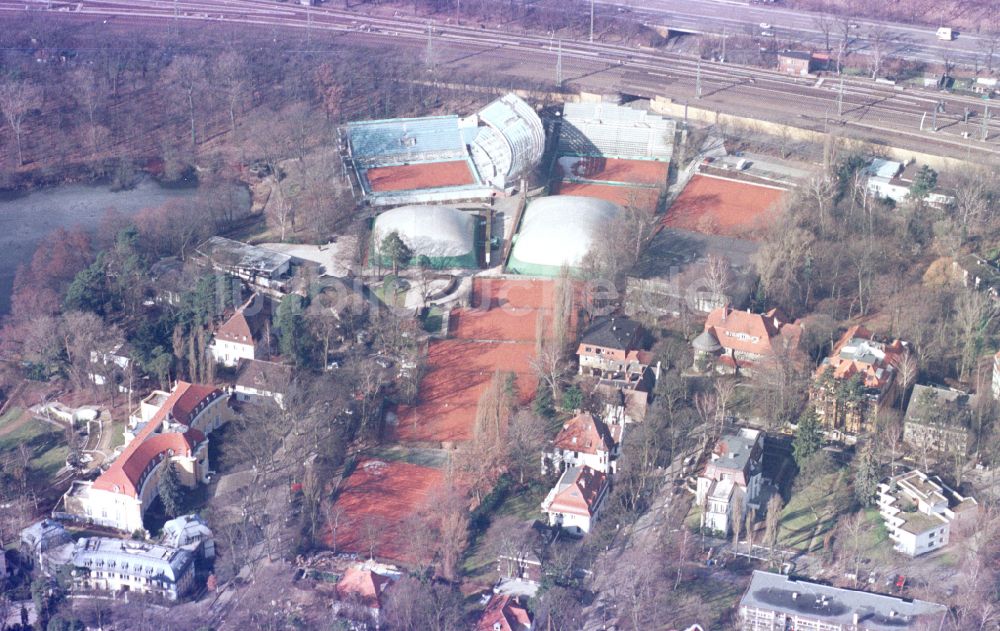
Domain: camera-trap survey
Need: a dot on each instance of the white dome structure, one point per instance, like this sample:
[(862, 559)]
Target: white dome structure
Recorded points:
[(509, 142), (558, 231), (444, 235)]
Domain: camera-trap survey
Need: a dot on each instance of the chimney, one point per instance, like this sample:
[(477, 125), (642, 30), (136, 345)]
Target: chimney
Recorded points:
[(795, 595)]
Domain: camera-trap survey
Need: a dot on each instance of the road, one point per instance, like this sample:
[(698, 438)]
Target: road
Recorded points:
[(915, 42), (862, 109)]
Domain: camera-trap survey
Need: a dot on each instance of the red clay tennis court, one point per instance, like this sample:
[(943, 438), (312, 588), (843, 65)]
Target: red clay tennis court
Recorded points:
[(498, 335), (645, 172), (621, 195), (458, 372), (377, 498), (410, 177), (713, 205)]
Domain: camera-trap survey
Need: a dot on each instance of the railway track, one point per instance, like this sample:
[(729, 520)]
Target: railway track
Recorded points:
[(862, 104)]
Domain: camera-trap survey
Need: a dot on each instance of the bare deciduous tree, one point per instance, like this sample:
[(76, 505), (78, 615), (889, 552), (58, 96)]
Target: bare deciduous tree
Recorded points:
[(17, 100)]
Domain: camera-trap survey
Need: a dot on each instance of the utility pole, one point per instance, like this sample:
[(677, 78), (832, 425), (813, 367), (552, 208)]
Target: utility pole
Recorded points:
[(934, 120), (429, 54), (840, 98), (309, 24), (591, 21), (923, 117), (986, 121), (697, 82), (723, 44), (559, 75)]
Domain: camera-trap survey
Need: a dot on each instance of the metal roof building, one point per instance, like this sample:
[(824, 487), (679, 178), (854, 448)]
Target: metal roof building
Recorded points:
[(405, 141), (116, 564), (613, 131), (559, 231), (510, 141), (444, 159)]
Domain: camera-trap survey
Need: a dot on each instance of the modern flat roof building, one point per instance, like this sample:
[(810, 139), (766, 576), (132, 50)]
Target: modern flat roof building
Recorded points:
[(775, 601)]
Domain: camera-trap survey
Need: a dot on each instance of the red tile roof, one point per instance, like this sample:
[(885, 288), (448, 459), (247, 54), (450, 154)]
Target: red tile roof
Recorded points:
[(761, 334), (363, 584), (245, 325), (875, 371), (505, 611), (125, 475), (581, 495), (585, 434)]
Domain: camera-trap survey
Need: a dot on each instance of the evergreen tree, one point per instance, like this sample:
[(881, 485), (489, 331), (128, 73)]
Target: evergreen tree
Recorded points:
[(294, 341), (170, 490), (924, 182), (89, 291), (543, 405), (395, 249), (808, 438), (866, 476)]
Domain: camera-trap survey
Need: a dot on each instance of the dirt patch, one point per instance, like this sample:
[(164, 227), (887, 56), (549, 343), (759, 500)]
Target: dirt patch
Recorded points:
[(419, 176), (376, 500), (713, 205)]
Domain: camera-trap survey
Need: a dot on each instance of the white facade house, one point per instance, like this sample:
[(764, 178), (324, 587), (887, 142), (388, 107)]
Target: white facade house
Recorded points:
[(244, 335), (116, 565), (735, 470), (918, 511), (888, 179), (168, 427), (585, 441), (775, 602), (575, 501)]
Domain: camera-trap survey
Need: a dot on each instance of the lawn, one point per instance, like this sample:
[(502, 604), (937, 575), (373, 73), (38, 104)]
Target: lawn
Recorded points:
[(10, 416), (480, 564), (812, 512), (433, 320), (47, 445), (392, 291), (117, 430)]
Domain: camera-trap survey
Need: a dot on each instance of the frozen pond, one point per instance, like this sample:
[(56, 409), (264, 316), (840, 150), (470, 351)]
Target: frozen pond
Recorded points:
[(25, 220)]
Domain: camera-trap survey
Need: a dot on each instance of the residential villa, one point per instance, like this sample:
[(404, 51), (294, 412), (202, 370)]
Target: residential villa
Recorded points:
[(168, 427), (361, 591), (584, 440), (120, 566), (856, 379), (611, 346), (245, 335), (742, 342), (775, 601), (918, 511), (734, 471), (938, 420), (504, 613), (259, 379), (191, 533), (611, 350), (575, 501)]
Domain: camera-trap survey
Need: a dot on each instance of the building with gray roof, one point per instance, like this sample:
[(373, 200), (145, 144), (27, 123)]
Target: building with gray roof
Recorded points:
[(776, 601), (615, 131), (735, 469), (252, 263), (117, 565), (189, 532), (939, 419)]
